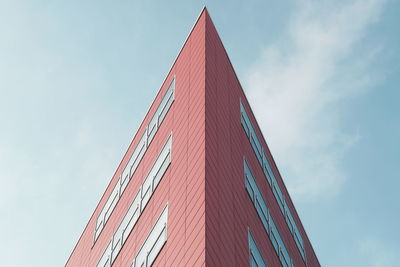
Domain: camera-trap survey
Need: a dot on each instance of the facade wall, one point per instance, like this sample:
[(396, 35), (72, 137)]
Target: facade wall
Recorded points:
[(230, 213), (210, 213), (182, 186)]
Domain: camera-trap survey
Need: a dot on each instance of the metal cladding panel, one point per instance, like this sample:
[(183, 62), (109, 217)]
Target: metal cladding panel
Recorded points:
[(229, 210)]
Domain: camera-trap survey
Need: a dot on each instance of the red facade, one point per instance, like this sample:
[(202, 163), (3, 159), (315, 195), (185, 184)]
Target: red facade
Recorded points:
[(210, 212)]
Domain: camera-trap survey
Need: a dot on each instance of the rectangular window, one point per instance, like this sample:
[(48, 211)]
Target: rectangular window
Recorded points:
[(289, 219), (250, 182), (265, 169), (107, 209), (284, 260), (117, 245), (166, 102), (135, 159), (125, 227), (265, 216), (156, 172), (105, 260), (154, 242), (162, 163), (262, 212), (152, 128), (131, 217), (245, 120), (283, 253), (98, 230), (256, 146), (274, 235), (146, 194), (138, 154), (249, 189), (299, 244), (255, 195), (278, 196), (256, 260), (160, 236), (111, 202), (298, 235), (270, 177)]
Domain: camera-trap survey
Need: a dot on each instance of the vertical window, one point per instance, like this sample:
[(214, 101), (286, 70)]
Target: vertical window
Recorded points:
[(131, 217), (154, 242), (162, 163), (256, 260), (157, 171), (266, 169), (262, 211), (166, 102), (152, 128), (270, 177), (244, 120)]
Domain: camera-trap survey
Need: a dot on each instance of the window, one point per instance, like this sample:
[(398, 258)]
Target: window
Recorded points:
[(278, 196), (270, 177), (135, 159), (154, 242), (265, 169), (125, 227), (262, 211), (245, 120), (107, 210), (98, 229), (249, 188), (146, 193), (255, 195), (166, 102), (156, 172), (256, 146), (289, 219), (162, 163), (105, 260), (251, 134), (111, 202), (274, 235), (139, 202), (299, 245), (256, 260), (266, 218), (152, 128), (250, 182)]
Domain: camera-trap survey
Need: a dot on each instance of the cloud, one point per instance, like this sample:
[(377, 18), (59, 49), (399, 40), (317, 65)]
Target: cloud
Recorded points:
[(377, 254), (299, 86)]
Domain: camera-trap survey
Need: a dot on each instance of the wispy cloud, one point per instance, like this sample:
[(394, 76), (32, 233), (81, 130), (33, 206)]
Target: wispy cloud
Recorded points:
[(377, 254), (298, 87)]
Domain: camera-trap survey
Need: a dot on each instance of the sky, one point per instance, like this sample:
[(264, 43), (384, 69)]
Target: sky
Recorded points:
[(77, 78)]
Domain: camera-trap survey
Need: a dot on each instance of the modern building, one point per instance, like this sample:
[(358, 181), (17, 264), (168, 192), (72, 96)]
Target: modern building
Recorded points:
[(198, 185)]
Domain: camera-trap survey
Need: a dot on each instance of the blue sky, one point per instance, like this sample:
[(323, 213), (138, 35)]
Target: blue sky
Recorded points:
[(77, 77)]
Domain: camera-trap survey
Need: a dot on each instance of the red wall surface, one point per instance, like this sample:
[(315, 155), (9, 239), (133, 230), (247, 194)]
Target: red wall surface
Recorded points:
[(183, 184), (229, 210), (209, 209)]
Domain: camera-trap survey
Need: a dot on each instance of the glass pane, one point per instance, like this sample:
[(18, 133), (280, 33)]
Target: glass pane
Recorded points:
[(255, 256), (159, 243)]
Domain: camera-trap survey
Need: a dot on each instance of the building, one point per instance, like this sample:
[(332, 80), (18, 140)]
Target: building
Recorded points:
[(197, 185)]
